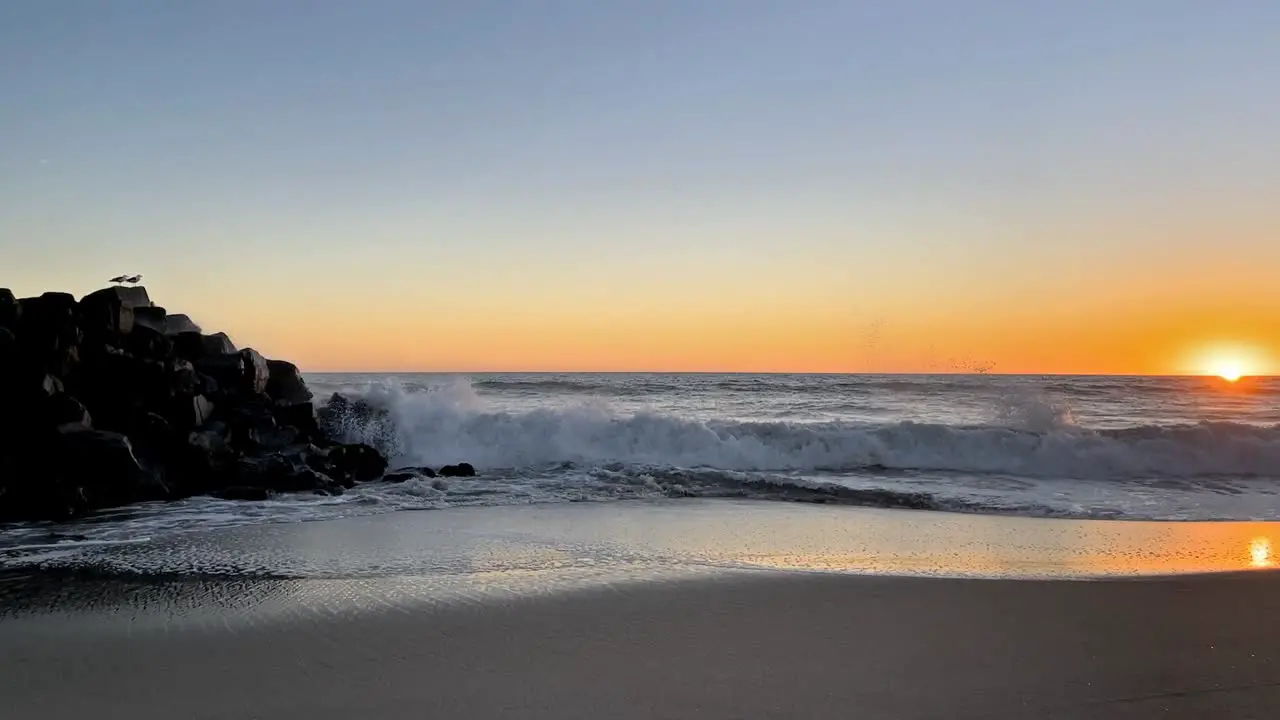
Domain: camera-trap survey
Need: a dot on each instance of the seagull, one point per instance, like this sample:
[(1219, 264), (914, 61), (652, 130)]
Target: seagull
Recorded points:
[(133, 280), (119, 278)]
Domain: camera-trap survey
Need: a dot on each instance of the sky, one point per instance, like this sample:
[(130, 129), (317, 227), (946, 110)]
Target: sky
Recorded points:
[(758, 185)]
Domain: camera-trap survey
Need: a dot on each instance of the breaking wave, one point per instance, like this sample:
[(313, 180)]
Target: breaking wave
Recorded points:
[(451, 423)]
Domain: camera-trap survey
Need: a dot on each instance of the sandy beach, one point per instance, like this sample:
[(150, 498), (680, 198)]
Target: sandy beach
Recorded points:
[(767, 646), (501, 619)]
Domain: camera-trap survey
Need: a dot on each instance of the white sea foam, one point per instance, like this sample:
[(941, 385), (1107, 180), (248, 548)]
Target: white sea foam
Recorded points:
[(1027, 438)]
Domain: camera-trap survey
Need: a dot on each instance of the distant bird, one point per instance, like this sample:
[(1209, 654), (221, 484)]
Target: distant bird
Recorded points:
[(119, 278), (133, 280)]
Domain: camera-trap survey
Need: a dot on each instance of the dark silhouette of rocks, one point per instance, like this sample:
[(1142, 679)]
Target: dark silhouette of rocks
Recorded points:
[(459, 470), (109, 400)]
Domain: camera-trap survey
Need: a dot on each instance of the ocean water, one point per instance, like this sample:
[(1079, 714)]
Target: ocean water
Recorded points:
[(1084, 447)]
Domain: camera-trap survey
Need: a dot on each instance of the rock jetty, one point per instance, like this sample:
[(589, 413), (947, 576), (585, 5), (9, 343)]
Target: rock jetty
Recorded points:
[(110, 400)]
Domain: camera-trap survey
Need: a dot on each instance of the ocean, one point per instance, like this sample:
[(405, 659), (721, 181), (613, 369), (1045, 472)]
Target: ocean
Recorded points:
[(1140, 448)]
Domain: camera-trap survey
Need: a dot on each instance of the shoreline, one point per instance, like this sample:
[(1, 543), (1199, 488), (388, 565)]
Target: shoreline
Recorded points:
[(429, 558), (675, 609)]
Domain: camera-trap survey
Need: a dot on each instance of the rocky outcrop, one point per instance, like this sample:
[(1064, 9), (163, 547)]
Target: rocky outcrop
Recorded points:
[(110, 400)]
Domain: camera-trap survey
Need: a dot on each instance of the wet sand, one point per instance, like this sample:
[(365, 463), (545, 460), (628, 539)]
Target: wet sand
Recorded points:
[(660, 641)]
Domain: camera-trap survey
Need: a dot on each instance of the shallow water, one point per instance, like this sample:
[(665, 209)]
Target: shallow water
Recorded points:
[(405, 560)]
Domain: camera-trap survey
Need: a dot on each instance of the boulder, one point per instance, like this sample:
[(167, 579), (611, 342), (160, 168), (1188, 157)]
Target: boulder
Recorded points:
[(10, 310), (151, 316), (49, 309), (183, 378), (399, 477), (193, 345), (190, 412), (301, 417), (50, 385), (147, 342), (111, 400), (65, 413), (48, 324), (203, 462), (106, 313), (459, 470), (102, 467), (276, 472), (8, 348), (179, 323), (285, 383), (256, 373), (131, 296), (273, 438), (239, 373), (356, 462), (226, 369)]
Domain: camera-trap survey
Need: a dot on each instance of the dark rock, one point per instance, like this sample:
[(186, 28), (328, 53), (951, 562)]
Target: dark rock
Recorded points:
[(132, 296), (151, 316), (147, 342), (190, 412), (459, 470), (356, 462), (194, 346), (64, 361), (48, 326), (103, 468), (399, 477), (273, 438), (109, 312), (10, 310), (51, 308), (240, 492), (314, 457), (256, 373), (8, 350), (66, 413), (285, 383), (240, 373), (112, 400), (300, 417), (50, 385), (226, 369), (276, 472), (179, 323), (183, 378)]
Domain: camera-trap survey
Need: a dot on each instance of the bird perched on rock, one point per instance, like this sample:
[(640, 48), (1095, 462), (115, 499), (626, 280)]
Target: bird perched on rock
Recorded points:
[(133, 279), (119, 279)]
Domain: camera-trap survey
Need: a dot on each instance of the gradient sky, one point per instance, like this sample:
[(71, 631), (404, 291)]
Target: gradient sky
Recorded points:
[(1029, 186)]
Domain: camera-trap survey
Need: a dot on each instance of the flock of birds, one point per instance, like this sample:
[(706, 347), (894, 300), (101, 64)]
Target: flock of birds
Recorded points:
[(126, 279)]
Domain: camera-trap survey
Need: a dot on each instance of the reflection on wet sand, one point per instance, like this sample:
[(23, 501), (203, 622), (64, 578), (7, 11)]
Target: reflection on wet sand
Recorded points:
[(1260, 552), (392, 562)]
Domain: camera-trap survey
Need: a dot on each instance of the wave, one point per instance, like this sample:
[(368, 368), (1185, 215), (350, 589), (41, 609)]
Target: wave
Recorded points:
[(452, 423)]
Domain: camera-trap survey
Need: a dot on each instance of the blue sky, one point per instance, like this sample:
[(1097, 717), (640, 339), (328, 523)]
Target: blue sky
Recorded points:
[(887, 160)]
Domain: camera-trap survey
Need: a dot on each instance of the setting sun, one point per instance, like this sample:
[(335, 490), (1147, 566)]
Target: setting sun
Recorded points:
[(1229, 362), (1230, 372)]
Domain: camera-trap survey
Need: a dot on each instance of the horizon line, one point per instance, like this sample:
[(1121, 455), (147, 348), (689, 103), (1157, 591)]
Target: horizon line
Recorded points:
[(773, 372)]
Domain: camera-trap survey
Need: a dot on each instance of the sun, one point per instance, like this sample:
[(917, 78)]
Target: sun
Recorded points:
[(1229, 361), (1228, 370)]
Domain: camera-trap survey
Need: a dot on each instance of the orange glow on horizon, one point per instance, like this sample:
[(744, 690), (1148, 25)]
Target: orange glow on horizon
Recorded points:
[(753, 328)]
